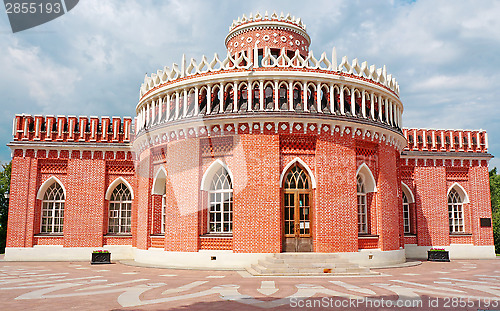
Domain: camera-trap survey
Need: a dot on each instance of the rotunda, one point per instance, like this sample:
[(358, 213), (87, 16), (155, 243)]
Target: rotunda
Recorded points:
[(272, 149)]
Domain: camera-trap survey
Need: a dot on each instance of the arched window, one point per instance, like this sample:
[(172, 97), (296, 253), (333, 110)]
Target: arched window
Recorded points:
[(53, 209), (296, 179), (120, 210), (221, 203), (455, 211), (362, 212), (406, 214)]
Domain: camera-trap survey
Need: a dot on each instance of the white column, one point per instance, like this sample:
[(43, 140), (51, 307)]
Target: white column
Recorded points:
[(168, 107), (221, 99), (469, 140), (380, 108), (386, 101), (372, 105), (249, 96), (424, 136), (161, 118), (486, 144), (276, 96), (261, 95), (353, 102), (433, 139), (235, 96), (363, 103), (305, 91), (342, 99), (154, 117), (443, 146), (318, 97), (151, 112), (196, 101), (398, 116), (290, 95), (414, 138), (176, 105), (332, 99), (452, 143), (209, 98), (390, 112), (148, 113), (185, 103), (460, 142)]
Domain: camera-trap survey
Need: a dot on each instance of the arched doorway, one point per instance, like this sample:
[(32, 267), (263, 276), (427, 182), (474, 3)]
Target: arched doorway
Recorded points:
[(297, 211)]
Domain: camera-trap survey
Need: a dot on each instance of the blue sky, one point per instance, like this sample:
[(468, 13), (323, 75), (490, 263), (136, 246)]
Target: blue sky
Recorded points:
[(445, 55)]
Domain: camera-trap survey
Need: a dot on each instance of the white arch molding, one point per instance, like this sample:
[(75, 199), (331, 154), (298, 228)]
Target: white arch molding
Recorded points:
[(366, 174), (115, 183), (209, 174), (407, 191), (463, 194), (47, 184), (159, 182), (304, 165)]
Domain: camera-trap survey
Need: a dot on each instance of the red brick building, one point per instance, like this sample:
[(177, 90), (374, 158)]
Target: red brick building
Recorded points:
[(267, 150)]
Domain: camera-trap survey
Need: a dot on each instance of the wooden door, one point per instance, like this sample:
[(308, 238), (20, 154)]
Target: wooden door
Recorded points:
[(297, 212)]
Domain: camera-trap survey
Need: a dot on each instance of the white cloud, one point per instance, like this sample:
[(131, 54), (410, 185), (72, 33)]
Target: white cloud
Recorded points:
[(29, 72)]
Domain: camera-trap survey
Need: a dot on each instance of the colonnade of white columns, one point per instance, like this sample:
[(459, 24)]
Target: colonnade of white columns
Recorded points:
[(185, 102)]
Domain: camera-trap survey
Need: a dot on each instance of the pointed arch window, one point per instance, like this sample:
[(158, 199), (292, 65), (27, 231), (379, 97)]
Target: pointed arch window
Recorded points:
[(120, 210), (296, 179), (455, 211), (53, 209), (221, 202), (362, 211), (406, 214)]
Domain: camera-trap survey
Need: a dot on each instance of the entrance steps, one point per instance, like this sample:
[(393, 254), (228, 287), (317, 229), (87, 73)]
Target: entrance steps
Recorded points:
[(306, 264)]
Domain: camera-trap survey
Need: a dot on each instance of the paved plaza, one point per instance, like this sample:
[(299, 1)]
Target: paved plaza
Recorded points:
[(457, 285)]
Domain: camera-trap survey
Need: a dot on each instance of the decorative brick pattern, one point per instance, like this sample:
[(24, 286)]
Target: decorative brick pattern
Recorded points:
[(216, 243), (368, 243)]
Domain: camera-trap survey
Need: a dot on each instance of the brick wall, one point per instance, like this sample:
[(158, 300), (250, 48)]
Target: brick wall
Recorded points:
[(83, 209), (257, 211), (335, 225)]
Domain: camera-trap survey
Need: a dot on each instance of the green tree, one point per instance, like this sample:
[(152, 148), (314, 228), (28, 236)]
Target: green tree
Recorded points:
[(4, 203), (495, 206)]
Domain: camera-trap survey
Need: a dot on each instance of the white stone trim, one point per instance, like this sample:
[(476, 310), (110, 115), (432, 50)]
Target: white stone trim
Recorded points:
[(210, 172), (304, 165), (463, 194), (456, 251), (60, 253), (46, 184), (115, 183), (160, 176), (408, 192), (368, 179)]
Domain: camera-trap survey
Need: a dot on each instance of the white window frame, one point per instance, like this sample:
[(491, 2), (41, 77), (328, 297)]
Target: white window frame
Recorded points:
[(124, 206), (406, 214), (456, 212), (52, 212), (362, 208), (220, 194)]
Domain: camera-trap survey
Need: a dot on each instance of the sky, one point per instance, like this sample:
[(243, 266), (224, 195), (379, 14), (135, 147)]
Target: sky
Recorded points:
[(445, 55)]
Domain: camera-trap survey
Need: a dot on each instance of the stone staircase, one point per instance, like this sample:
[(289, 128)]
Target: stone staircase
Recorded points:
[(306, 264)]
